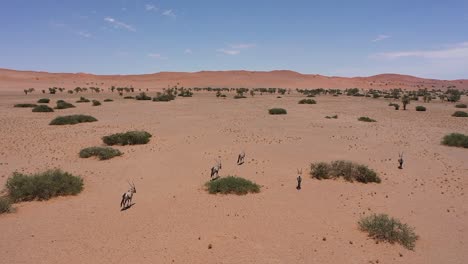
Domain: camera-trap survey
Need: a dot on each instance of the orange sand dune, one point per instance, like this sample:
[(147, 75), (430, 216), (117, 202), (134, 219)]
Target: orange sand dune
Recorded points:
[(14, 80)]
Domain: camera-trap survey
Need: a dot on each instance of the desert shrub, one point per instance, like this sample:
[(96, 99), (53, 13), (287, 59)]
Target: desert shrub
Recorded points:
[(381, 227), (456, 140), (108, 100), (83, 100), (96, 103), (350, 171), (460, 114), (43, 101), (72, 120), (238, 96), (103, 153), (25, 105), (42, 108), (232, 184), (5, 205), (332, 117), (397, 106), (460, 105), (43, 186), (128, 138), (420, 108), (129, 97), (277, 111), (366, 119), (142, 96), (307, 101), (163, 98), (63, 105)]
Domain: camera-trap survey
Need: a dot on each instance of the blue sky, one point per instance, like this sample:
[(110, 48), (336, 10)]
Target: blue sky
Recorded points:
[(344, 38)]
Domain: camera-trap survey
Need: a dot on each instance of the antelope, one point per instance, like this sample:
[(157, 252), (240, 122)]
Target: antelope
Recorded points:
[(127, 197), (215, 170), (240, 158), (299, 179), (400, 160)]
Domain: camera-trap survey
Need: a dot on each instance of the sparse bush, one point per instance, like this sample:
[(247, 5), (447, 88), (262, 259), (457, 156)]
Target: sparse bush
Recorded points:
[(72, 120), (5, 205), (108, 100), (103, 153), (397, 106), (142, 96), (43, 186), (456, 140), (384, 228), (332, 117), (460, 105), (129, 97), (96, 103), (42, 108), (366, 119), (460, 114), (277, 111), (25, 105), (239, 96), (43, 101), (83, 100), (63, 105), (420, 108), (350, 171), (163, 98), (128, 138), (307, 101), (232, 184)]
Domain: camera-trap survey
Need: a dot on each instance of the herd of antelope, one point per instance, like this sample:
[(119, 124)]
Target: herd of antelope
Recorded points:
[(126, 201)]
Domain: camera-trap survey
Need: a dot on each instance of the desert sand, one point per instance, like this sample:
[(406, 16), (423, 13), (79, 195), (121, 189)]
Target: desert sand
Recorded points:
[(174, 219)]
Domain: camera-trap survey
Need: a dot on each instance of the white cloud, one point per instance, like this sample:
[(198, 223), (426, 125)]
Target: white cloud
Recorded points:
[(188, 51), (155, 55), (119, 24), (84, 34), (150, 7), (380, 38), (457, 51), (243, 46), (169, 13), (228, 52)]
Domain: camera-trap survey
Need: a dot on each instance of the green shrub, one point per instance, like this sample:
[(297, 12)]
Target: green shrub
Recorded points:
[(25, 105), (103, 153), (129, 97), (63, 105), (420, 108), (5, 205), (460, 114), (456, 140), (128, 138), (96, 103), (350, 171), (307, 101), (232, 184), (332, 117), (72, 120), (43, 100), (142, 96), (366, 119), (237, 96), (43, 186), (83, 100), (42, 108), (108, 100), (163, 98), (277, 111), (460, 105), (384, 228)]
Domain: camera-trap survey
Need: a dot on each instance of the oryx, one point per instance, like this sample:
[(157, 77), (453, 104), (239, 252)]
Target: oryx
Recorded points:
[(127, 196), (240, 158), (400, 160), (215, 170), (299, 179)]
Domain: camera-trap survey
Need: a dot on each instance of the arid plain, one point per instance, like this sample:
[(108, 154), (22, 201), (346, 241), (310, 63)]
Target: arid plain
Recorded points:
[(174, 220)]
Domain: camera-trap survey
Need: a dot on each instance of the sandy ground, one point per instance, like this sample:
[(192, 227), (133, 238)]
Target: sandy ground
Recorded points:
[(174, 219)]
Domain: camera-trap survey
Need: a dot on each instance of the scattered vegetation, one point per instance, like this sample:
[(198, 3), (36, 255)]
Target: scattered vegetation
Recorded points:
[(456, 140), (43, 101), (397, 106), (405, 100), (128, 138), (63, 105), (72, 120), (460, 105), (43, 186), (142, 96), (350, 171), (163, 97), (96, 103), (108, 100), (103, 153), (460, 114), (83, 100), (277, 111), (381, 227), (129, 97), (366, 119), (332, 117), (420, 108), (42, 108), (232, 184), (307, 101), (5, 205), (25, 105)]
